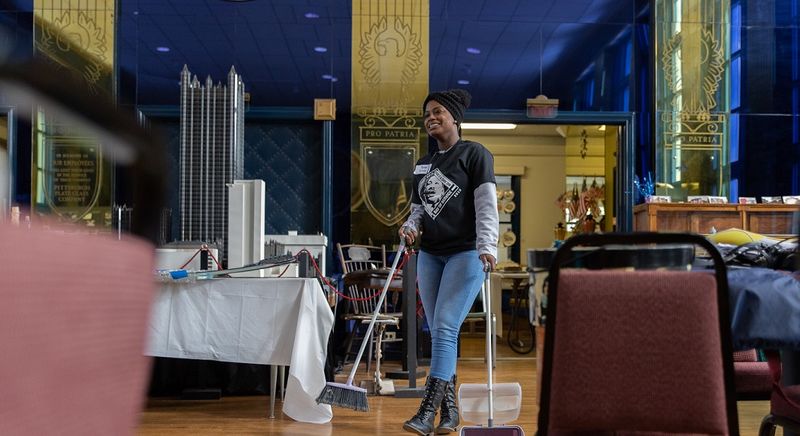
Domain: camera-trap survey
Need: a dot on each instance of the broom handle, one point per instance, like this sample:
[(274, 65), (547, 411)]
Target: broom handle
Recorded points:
[(377, 310), (487, 296)]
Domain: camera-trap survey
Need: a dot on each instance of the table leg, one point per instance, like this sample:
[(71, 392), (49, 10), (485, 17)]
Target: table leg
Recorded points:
[(539, 359), (381, 387), (282, 381), (273, 381), (497, 302)]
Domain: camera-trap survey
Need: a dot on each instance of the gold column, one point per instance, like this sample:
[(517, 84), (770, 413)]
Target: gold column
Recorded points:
[(389, 83), (70, 177), (692, 106)]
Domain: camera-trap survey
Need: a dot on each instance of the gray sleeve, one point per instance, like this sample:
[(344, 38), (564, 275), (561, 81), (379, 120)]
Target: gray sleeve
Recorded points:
[(415, 217), (487, 221)]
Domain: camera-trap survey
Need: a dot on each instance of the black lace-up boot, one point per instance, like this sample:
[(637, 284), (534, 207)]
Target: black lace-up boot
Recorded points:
[(422, 422), (448, 419)]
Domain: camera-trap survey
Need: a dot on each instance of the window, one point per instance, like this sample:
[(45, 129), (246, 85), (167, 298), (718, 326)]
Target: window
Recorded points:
[(735, 95)]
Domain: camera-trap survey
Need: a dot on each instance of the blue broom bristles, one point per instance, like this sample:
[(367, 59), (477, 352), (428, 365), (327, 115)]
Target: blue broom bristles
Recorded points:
[(344, 395)]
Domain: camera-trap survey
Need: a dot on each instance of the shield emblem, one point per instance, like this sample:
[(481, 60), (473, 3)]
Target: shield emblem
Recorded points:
[(72, 175), (386, 179)]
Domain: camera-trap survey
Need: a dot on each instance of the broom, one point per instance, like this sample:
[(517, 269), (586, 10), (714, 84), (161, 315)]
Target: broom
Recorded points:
[(346, 394)]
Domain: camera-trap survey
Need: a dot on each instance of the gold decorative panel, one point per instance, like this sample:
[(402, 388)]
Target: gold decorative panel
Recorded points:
[(692, 106), (390, 81), (71, 179), (79, 36)]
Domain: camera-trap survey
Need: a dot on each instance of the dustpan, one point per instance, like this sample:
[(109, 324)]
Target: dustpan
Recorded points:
[(492, 404)]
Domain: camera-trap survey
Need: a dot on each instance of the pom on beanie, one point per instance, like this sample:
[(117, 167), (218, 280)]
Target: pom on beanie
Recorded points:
[(456, 101)]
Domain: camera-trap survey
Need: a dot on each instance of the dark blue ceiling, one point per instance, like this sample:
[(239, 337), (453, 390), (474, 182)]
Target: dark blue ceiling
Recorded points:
[(271, 44)]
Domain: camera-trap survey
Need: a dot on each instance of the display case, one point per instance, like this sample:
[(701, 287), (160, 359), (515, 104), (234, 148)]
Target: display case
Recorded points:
[(768, 219)]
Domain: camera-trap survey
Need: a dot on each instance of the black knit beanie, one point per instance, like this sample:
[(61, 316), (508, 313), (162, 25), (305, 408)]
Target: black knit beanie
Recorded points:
[(456, 101)]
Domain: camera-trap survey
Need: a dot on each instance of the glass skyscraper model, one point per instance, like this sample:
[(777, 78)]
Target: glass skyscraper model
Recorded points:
[(211, 155)]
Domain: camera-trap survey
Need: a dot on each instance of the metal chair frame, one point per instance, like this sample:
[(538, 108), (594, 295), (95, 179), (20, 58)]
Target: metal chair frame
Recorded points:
[(564, 257), (771, 421)]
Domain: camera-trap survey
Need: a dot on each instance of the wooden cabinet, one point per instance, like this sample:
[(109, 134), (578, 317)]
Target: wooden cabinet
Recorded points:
[(767, 219)]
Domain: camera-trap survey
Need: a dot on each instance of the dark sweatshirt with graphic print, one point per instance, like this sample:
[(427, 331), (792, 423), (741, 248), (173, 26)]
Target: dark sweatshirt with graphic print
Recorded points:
[(444, 184)]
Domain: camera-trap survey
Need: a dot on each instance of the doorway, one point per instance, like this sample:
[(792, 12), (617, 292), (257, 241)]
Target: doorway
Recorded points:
[(559, 170), (7, 163)]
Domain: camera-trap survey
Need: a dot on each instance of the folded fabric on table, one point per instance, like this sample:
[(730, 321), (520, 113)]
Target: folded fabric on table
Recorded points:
[(765, 308)]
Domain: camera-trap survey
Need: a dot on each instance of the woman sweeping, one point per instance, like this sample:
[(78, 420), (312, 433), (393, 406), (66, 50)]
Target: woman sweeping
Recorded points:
[(454, 213)]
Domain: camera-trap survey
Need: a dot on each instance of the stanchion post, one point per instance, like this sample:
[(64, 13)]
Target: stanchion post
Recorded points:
[(410, 332)]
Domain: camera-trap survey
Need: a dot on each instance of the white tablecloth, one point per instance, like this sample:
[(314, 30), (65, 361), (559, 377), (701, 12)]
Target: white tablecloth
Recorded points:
[(281, 321)]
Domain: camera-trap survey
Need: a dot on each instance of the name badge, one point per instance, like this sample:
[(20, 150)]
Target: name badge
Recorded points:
[(422, 169)]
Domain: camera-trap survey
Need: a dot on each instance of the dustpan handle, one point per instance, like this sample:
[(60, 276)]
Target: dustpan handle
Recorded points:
[(487, 300)]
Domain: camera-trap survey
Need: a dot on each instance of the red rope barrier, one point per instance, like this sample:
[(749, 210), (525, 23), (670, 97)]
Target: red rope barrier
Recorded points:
[(325, 281), (202, 248)]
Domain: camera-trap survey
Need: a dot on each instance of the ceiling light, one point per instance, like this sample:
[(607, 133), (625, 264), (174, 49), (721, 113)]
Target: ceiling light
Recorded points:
[(162, 49), (320, 49), (489, 126), (473, 50), (463, 82), (311, 15)]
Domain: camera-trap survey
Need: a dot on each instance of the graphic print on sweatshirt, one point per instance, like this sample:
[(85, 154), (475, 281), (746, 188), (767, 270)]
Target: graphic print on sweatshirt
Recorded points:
[(435, 190)]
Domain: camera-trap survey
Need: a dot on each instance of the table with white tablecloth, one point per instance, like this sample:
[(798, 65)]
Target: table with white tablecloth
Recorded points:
[(270, 321)]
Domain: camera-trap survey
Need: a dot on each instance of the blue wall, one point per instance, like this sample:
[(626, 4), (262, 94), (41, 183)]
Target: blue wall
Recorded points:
[(287, 155), (768, 143)]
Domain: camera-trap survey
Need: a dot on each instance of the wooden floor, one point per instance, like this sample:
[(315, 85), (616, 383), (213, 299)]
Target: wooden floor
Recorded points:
[(248, 415)]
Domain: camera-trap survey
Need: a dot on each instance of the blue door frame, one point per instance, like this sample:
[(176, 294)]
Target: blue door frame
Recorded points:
[(625, 156)]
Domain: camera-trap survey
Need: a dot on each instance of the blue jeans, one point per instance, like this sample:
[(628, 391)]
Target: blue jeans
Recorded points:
[(448, 286)]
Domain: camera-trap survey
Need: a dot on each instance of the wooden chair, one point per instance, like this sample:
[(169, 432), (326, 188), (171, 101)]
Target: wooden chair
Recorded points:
[(752, 377), (784, 410), (364, 292), (639, 351)]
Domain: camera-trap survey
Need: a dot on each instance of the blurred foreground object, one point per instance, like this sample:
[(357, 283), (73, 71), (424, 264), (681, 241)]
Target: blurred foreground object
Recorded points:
[(73, 318), (38, 85), (74, 307)]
